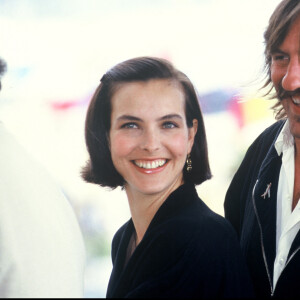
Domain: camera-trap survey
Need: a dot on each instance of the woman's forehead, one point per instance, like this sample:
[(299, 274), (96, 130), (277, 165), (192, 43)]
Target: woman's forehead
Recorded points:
[(142, 97)]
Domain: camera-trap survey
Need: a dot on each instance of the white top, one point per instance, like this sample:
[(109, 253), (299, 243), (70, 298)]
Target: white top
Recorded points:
[(41, 247), (288, 221)]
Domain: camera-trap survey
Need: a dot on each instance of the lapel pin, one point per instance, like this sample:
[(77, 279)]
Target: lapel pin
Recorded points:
[(267, 191)]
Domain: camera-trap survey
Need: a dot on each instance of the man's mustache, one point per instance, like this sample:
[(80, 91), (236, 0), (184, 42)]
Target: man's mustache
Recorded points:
[(283, 94)]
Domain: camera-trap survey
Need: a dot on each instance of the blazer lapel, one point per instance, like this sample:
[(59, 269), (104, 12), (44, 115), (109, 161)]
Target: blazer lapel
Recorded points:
[(265, 202)]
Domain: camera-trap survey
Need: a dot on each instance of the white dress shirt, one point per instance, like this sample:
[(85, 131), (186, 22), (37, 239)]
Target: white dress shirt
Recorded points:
[(288, 221), (42, 253)]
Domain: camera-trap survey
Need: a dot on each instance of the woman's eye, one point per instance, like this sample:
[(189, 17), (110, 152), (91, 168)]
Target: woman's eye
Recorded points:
[(129, 126), (169, 125)]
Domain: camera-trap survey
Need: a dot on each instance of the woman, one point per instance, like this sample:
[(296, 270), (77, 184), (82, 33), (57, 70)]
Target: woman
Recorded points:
[(145, 133)]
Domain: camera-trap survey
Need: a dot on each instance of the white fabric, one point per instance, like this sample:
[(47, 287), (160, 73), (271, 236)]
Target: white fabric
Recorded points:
[(288, 221), (42, 253)]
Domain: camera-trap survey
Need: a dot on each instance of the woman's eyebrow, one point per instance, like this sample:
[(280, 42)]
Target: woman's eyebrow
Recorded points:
[(129, 118), (133, 118), (171, 116)]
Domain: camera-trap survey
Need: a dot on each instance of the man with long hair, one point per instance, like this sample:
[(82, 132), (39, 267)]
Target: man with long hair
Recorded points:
[(262, 202)]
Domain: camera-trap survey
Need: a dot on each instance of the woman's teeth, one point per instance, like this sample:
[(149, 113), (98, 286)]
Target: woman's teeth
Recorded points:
[(150, 164)]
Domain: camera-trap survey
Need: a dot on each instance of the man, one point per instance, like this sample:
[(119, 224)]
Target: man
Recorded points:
[(262, 202), (41, 248)]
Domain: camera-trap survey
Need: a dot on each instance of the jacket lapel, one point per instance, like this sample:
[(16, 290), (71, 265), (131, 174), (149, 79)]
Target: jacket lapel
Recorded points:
[(265, 202)]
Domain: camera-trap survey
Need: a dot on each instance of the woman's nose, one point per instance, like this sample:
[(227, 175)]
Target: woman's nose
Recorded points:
[(150, 140), (291, 79)]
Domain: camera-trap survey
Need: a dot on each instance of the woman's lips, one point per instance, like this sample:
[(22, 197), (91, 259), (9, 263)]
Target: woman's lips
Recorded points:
[(150, 164)]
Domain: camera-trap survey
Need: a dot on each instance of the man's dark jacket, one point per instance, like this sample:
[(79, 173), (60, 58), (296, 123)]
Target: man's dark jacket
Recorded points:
[(250, 205), (188, 251)]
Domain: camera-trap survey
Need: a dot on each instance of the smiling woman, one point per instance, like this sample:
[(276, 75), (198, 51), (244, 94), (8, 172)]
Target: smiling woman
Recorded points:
[(157, 142), (145, 133)]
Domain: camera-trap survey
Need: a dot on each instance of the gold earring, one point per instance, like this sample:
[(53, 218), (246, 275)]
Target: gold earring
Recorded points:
[(189, 163)]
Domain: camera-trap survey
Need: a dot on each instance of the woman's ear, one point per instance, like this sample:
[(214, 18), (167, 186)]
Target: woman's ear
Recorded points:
[(192, 134)]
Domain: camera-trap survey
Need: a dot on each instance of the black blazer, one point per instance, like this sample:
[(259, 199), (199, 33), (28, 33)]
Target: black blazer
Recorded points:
[(253, 215), (187, 251)]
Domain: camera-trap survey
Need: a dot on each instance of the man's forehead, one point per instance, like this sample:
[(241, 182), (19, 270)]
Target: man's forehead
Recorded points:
[(292, 35)]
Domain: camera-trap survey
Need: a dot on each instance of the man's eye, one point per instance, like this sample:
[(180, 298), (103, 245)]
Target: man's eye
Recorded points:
[(280, 59)]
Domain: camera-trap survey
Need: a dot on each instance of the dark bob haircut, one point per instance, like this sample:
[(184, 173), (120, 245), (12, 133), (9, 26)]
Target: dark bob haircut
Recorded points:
[(99, 168)]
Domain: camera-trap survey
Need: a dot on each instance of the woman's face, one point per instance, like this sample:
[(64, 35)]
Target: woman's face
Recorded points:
[(149, 137)]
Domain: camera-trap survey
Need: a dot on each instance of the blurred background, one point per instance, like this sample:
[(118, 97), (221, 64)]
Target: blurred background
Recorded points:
[(57, 51)]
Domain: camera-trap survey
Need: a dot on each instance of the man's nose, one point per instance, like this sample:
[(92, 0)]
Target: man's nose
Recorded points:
[(291, 79), (150, 140)]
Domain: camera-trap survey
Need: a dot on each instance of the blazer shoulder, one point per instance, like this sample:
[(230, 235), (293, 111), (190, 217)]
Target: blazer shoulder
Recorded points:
[(267, 137), (258, 150), (200, 223)]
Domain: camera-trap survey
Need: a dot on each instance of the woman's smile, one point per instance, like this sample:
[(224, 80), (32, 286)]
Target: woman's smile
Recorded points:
[(150, 164)]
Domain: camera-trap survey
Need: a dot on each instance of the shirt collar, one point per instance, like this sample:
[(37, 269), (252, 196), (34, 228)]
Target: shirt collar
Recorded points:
[(285, 139)]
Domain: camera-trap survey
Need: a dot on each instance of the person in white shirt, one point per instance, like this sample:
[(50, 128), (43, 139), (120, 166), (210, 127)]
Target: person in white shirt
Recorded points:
[(42, 253), (262, 202)]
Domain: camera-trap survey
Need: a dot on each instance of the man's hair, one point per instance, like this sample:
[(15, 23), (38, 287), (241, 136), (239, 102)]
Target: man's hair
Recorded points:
[(2, 69), (99, 168), (279, 24)]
